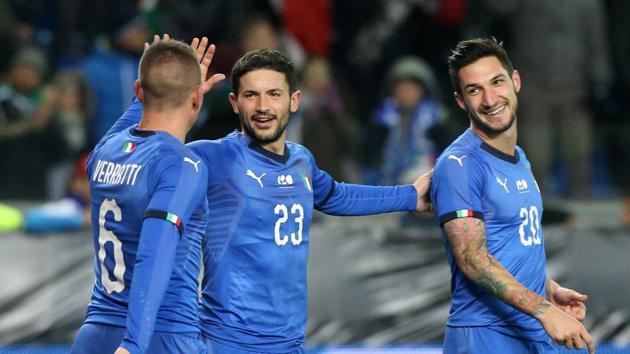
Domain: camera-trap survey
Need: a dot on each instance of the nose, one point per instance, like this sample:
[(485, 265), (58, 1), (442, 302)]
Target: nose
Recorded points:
[(489, 98), (262, 104)]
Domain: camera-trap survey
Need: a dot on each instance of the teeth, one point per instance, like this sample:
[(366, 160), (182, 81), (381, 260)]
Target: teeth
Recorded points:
[(496, 111)]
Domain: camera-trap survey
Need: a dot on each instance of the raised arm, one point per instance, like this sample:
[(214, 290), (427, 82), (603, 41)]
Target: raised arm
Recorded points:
[(204, 53), (467, 239)]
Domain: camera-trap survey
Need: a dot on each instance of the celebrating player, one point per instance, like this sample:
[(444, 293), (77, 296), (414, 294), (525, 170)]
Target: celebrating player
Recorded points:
[(149, 211), (490, 209)]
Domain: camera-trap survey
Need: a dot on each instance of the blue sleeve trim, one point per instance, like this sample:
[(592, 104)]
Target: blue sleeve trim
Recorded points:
[(458, 215), (163, 215)]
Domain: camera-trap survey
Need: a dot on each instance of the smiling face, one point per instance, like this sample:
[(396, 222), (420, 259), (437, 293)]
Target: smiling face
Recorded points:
[(264, 103), (488, 94)]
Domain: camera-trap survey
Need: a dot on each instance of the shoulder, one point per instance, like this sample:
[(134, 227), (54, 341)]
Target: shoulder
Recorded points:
[(298, 150), (210, 146), (460, 154), (172, 153), (460, 163)]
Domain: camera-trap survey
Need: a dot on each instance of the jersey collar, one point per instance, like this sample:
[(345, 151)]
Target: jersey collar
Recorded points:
[(278, 158), (141, 133), (501, 155)]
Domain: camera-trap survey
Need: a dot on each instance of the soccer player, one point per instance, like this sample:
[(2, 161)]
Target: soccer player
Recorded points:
[(262, 191), (490, 209), (148, 212)]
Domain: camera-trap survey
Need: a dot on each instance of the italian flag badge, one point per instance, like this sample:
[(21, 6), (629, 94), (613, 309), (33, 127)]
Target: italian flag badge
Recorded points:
[(174, 219), (464, 213), (128, 146), (307, 183)]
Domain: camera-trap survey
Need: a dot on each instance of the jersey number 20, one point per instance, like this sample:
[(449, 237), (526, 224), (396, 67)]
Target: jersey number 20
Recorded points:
[(283, 212), (104, 236), (530, 217)]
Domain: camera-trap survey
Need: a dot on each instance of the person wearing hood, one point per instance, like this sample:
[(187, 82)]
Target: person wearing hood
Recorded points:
[(409, 111)]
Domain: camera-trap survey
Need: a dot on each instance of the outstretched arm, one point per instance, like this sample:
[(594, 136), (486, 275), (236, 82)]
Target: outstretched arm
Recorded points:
[(467, 238)]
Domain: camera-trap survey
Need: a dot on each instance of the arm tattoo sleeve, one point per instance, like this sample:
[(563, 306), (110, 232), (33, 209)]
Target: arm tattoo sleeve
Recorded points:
[(467, 238)]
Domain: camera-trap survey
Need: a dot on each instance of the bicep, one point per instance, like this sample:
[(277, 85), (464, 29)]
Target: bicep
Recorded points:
[(467, 239)]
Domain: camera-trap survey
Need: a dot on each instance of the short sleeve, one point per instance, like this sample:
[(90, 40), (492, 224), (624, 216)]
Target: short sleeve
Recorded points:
[(457, 187)]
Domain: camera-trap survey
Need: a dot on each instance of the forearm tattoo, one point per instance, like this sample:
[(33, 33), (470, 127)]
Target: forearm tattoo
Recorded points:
[(467, 238)]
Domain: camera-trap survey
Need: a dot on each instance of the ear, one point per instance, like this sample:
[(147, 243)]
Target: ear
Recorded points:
[(234, 102), (460, 100), (138, 90), (197, 100), (296, 97), (516, 78)]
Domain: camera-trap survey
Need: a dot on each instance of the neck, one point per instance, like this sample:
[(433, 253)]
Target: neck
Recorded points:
[(172, 122), (277, 147), (504, 142)]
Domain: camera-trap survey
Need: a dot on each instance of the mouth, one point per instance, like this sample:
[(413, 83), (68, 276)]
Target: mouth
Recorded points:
[(495, 112), (263, 121)]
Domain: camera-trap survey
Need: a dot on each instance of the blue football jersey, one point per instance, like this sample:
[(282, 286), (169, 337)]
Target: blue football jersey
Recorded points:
[(472, 179), (256, 247), (148, 221)]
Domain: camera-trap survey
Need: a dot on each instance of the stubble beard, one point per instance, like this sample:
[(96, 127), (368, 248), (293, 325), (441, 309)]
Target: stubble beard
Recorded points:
[(262, 140), (487, 129)]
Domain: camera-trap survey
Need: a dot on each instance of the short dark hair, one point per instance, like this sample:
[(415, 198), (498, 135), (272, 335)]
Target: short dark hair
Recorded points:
[(168, 72), (264, 59), (469, 51)]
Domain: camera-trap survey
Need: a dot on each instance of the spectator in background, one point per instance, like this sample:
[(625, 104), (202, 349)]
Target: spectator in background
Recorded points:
[(407, 114), (73, 107), (111, 73), (325, 128), (29, 139), (561, 47)]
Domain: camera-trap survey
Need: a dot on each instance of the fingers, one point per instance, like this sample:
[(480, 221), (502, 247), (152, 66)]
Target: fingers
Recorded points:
[(212, 81), (194, 43), (580, 297), (157, 39), (201, 49), (577, 310), (582, 339), (588, 340)]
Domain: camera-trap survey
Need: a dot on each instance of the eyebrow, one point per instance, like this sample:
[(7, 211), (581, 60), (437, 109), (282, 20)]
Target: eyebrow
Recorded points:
[(475, 85), (258, 92)]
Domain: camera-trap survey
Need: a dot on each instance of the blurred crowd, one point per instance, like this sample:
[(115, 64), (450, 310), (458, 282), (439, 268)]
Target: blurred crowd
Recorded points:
[(377, 104)]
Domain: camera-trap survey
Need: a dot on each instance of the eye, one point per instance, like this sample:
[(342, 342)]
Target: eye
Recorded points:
[(499, 81), (472, 91), (275, 94)]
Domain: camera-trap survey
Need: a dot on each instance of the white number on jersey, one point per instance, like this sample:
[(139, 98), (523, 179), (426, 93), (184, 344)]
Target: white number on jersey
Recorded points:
[(530, 217), (105, 236), (283, 212)]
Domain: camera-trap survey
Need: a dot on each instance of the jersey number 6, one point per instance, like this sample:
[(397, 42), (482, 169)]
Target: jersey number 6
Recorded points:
[(104, 236)]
